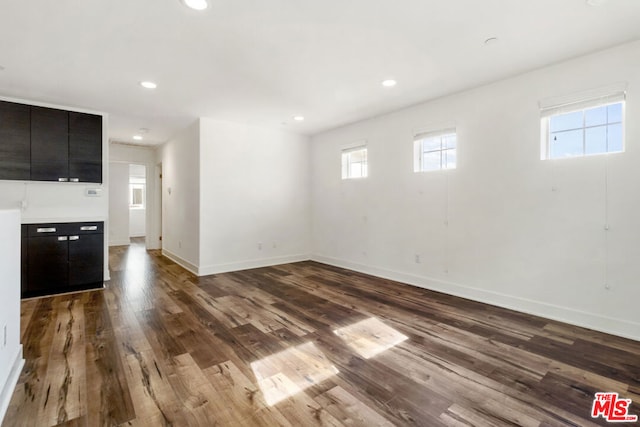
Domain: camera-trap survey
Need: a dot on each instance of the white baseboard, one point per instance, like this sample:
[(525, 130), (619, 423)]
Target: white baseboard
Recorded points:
[(619, 327), (246, 265), (137, 235), (181, 261), (10, 384)]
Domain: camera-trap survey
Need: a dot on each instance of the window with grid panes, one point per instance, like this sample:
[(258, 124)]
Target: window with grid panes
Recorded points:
[(435, 150)]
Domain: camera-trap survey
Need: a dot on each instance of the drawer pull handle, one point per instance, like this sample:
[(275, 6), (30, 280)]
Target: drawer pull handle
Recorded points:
[(62, 238), (89, 228), (47, 230), (63, 179), (74, 237), (74, 179)]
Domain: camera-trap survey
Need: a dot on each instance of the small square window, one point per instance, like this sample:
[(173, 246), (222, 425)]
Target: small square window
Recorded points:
[(136, 196), (354, 163), (593, 129), (435, 151)]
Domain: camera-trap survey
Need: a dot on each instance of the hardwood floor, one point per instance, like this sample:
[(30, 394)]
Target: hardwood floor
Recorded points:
[(302, 344)]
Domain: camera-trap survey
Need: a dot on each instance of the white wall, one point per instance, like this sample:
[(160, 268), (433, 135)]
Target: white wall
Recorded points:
[(149, 157), (137, 222), (61, 202), (119, 204), (11, 361), (254, 196), (522, 232), (181, 198)]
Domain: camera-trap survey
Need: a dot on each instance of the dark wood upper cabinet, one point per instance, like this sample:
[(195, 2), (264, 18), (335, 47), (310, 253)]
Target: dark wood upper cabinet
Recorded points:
[(85, 147), (15, 141), (49, 144)]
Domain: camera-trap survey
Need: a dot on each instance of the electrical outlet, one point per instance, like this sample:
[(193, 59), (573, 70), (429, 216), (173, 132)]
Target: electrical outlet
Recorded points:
[(259, 246), (417, 258), (180, 243)]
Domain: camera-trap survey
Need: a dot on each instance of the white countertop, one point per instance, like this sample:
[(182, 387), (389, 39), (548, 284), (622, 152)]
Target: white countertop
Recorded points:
[(62, 219)]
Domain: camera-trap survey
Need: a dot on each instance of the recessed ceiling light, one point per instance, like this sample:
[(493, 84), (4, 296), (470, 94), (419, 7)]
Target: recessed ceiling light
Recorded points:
[(148, 85), (196, 4), (137, 137), (389, 83), (298, 118), (490, 41)]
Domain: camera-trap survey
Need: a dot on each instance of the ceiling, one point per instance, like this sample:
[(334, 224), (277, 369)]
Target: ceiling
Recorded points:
[(262, 62)]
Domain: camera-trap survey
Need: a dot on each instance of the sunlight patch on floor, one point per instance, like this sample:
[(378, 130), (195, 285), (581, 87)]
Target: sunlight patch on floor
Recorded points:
[(289, 372), (370, 337)]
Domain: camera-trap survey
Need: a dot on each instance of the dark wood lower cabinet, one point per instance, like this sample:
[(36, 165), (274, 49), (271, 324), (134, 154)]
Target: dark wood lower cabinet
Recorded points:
[(86, 257), (47, 265), (62, 257)]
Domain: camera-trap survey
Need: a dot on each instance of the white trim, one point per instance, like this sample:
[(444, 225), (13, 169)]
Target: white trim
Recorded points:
[(582, 100), (181, 261), (434, 133), (619, 327), (255, 263), (434, 128), (362, 143), (10, 385)]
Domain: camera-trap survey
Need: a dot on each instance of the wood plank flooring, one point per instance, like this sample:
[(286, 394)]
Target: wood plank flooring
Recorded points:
[(302, 344)]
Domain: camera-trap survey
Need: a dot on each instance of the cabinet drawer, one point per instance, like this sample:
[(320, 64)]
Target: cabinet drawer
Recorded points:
[(65, 228), (49, 229), (86, 228)]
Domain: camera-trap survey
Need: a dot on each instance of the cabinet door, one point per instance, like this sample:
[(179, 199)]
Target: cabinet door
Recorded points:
[(49, 144), (86, 258), (47, 264), (15, 141), (85, 147)]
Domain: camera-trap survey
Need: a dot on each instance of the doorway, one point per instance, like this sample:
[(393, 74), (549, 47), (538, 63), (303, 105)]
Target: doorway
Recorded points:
[(137, 202)]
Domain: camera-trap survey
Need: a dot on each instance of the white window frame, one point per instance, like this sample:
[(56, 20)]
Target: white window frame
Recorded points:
[(575, 105), (347, 164), (418, 150)]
